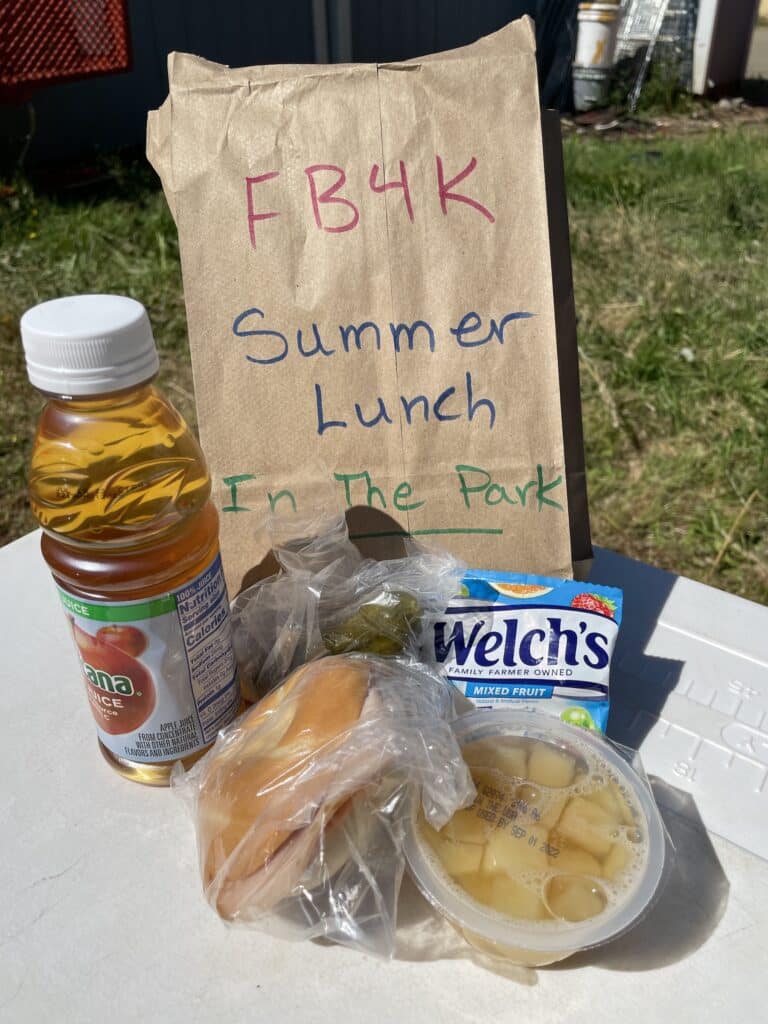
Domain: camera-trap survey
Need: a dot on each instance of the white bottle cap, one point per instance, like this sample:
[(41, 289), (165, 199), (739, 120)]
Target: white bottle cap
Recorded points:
[(88, 345)]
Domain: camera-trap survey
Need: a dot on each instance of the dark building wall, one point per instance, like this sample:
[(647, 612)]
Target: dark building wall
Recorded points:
[(399, 29), (109, 112)]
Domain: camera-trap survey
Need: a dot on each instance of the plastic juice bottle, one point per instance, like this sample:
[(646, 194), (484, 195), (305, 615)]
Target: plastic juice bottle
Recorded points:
[(121, 489)]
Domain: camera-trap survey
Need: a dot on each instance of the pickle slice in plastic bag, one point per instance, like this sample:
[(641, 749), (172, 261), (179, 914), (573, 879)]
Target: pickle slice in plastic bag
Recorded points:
[(380, 626)]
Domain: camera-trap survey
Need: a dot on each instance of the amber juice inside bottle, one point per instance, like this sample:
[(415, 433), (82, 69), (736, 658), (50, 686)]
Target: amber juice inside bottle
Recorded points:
[(120, 487)]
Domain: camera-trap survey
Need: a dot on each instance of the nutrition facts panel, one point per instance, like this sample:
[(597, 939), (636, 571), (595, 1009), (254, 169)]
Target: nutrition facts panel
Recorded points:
[(203, 611)]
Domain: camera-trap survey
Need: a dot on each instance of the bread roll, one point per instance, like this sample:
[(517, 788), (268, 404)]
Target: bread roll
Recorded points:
[(277, 782)]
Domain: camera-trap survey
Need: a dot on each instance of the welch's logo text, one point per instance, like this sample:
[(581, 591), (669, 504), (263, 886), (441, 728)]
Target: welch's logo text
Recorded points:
[(562, 639)]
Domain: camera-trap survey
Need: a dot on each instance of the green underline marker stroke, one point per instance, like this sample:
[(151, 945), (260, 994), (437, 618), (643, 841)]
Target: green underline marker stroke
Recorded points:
[(427, 533)]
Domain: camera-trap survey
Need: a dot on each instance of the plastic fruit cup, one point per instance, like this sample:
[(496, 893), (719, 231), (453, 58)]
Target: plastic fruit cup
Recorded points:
[(537, 943)]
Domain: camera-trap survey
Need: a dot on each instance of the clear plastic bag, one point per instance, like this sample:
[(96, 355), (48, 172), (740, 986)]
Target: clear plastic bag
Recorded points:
[(385, 607), (329, 599), (275, 629), (275, 622), (312, 543), (303, 803)]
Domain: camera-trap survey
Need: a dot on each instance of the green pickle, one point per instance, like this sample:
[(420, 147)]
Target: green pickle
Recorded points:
[(380, 626)]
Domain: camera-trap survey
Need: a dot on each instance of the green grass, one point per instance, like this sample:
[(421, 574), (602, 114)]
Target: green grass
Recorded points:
[(115, 236), (670, 256), (670, 248)]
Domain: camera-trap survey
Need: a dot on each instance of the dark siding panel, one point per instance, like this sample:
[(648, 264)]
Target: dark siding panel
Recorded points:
[(108, 112), (399, 29)]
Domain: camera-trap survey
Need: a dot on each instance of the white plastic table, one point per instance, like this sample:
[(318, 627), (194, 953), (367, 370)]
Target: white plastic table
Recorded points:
[(102, 917)]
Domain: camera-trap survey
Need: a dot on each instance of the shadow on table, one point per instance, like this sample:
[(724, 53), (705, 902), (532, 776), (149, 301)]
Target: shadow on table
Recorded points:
[(689, 906), (691, 901), (640, 683), (422, 935)]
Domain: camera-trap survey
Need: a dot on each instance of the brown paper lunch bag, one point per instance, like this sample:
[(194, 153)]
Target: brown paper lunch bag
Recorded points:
[(379, 299)]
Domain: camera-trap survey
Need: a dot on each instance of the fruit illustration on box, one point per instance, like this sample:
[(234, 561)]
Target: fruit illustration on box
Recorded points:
[(521, 590), (120, 689), (595, 603), (579, 716)]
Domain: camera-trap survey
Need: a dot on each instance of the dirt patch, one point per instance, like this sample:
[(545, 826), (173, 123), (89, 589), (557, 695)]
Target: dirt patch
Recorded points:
[(702, 118)]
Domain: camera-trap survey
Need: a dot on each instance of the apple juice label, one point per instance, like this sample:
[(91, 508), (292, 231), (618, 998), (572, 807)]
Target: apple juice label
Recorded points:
[(160, 674), (531, 641)]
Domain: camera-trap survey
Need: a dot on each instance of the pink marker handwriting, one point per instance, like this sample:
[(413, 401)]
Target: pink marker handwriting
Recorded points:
[(334, 207)]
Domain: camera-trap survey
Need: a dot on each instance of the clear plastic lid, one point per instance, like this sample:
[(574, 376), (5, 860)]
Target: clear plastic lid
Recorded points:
[(553, 939), (88, 345)]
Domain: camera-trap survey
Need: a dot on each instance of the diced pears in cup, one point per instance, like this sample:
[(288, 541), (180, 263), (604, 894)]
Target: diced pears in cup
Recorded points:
[(490, 781), (511, 897), (478, 887), (528, 797), (456, 858), (550, 808), (571, 859), (466, 827), (460, 859), (606, 798), (512, 759), (616, 861), (587, 825), (509, 758), (507, 853), (612, 800), (550, 766), (627, 817), (573, 898), (480, 754), (539, 804), (529, 848)]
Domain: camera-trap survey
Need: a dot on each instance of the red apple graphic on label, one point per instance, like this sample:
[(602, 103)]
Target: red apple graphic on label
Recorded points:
[(120, 689), (128, 638)]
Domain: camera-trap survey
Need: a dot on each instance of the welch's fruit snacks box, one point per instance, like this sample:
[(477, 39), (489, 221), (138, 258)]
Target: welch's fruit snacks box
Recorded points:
[(545, 644)]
